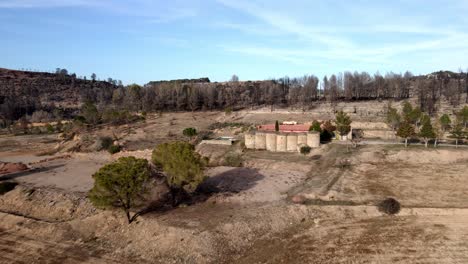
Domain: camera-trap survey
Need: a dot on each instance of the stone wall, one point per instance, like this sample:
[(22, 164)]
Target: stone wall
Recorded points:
[(271, 141), (260, 140)]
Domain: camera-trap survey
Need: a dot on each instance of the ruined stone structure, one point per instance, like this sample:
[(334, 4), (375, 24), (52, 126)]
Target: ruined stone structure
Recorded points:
[(281, 141)]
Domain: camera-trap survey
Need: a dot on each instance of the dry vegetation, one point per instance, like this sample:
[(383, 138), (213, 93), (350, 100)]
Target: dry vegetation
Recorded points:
[(276, 208)]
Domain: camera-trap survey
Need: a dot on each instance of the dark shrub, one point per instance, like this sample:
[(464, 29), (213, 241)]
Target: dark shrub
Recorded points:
[(233, 160), (50, 129), (106, 142), (114, 149), (305, 150), (6, 187), (80, 119), (326, 136), (218, 125), (389, 206), (189, 132)]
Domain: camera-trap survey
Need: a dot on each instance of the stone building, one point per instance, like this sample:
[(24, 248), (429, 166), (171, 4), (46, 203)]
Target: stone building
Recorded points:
[(289, 138)]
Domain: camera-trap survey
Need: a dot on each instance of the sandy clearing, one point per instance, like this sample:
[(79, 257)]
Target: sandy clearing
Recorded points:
[(72, 174), (253, 185)]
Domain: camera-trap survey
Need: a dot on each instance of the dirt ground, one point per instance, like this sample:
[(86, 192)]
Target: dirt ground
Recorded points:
[(250, 218)]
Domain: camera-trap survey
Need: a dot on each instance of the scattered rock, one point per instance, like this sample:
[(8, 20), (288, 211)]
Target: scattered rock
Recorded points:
[(7, 167), (298, 199)]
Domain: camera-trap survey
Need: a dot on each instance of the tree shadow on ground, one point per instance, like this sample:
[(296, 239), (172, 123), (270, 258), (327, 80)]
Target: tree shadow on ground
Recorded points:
[(19, 174), (226, 183), (231, 181)]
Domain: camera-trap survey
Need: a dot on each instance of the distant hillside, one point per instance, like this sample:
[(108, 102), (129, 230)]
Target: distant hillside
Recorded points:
[(22, 91)]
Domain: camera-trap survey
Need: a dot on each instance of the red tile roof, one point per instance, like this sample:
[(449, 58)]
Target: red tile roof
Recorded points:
[(285, 128)]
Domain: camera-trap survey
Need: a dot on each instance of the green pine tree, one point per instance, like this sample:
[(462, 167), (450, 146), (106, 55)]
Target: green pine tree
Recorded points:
[(427, 131), (407, 109), (393, 118), (343, 123), (315, 127), (415, 116), (121, 184), (406, 130), (457, 132), (182, 165), (445, 122)]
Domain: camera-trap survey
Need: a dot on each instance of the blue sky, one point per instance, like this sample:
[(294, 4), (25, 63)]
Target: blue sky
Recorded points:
[(142, 40)]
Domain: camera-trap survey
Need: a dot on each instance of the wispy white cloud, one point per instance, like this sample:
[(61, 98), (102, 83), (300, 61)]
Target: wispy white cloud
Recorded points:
[(284, 23), (337, 42)]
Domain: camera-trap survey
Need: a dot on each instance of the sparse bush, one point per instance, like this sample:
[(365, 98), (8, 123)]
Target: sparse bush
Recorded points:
[(233, 160), (389, 206), (106, 142), (87, 139), (305, 150), (114, 149), (219, 125), (50, 129), (189, 132), (36, 130), (121, 184), (228, 110), (116, 117), (90, 113), (59, 126), (202, 135), (79, 119), (328, 131), (6, 187), (41, 116)]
